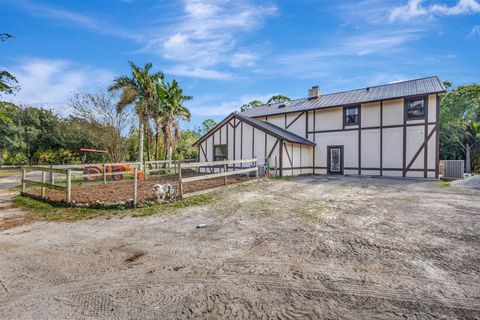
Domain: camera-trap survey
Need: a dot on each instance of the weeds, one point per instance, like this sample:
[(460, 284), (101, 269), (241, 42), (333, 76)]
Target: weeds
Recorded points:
[(444, 184), (164, 208), (45, 211)]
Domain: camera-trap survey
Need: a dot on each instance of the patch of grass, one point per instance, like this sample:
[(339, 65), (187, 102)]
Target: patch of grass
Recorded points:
[(45, 211), (165, 208), (281, 177), (312, 213), (260, 207), (444, 184)]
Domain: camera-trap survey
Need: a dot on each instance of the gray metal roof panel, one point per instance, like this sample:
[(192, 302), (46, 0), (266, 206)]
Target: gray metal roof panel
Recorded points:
[(383, 92)]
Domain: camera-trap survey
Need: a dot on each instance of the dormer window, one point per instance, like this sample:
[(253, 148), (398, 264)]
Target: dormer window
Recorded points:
[(415, 108), (352, 116)]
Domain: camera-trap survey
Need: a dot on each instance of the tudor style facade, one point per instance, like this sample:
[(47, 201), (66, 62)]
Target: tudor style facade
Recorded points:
[(389, 130)]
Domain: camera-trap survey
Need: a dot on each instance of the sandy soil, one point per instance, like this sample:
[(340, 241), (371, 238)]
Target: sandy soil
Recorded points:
[(121, 191), (305, 248)]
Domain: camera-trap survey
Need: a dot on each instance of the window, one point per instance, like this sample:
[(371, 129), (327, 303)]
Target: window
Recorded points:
[(352, 116), (415, 108), (220, 152)]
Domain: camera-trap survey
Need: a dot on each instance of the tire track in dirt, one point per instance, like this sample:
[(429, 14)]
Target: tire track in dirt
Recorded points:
[(63, 286)]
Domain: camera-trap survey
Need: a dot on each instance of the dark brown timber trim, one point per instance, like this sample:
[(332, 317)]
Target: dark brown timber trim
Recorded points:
[(273, 148), (404, 162), (420, 149), (386, 169), (288, 154), (237, 123), (375, 127), (253, 142), (381, 137), (241, 141), (437, 138), (306, 125), (265, 152), (234, 137), (296, 118), (359, 139), (292, 158), (204, 153), (425, 149), (281, 158)]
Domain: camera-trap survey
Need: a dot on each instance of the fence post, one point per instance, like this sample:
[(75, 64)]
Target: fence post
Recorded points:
[(104, 173), (267, 160), (44, 180), (135, 186), (24, 175), (69, 185), (52, 176), (225, 169), (180, 184), (256, 171)]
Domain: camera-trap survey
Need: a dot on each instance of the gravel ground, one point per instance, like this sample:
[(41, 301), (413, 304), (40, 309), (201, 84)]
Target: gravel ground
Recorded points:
[(302, 248), (472, 182)]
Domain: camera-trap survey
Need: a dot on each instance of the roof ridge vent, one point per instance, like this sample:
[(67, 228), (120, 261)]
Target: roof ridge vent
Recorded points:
[(314, 92)]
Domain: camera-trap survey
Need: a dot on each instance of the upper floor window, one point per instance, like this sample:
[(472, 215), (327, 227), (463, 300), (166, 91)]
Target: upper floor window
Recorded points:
[(415, 108), (352, 116), (220, 152)]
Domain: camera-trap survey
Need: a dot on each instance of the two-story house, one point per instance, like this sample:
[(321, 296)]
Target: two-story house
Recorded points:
[(387, 130)]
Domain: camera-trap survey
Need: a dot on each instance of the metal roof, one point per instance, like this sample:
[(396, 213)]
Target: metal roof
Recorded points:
[(370, 94), (267, 127)]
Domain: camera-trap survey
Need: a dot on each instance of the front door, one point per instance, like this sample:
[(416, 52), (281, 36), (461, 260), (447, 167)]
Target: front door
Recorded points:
[(335, 159)]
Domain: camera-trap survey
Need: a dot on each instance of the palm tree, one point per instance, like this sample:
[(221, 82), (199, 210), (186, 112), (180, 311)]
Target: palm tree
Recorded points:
[(138, 90), (169, 111)]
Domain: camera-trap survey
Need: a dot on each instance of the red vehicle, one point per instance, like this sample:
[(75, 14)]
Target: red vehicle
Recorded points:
[(95, 169)]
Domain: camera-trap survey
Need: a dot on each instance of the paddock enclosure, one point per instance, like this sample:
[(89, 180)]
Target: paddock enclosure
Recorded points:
[(73, 186)]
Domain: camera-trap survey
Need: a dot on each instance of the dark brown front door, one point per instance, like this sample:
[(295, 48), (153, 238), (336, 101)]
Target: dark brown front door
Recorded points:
[(335, 159)]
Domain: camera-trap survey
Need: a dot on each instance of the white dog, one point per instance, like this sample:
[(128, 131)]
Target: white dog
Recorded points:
[(164, 191)]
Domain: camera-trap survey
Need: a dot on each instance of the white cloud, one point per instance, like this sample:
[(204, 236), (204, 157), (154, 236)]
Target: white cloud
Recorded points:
[(414, 9), (50, 83), (197, 72), (475, 32), (208, 33), (375, 42), (211, 106), (241, 59)]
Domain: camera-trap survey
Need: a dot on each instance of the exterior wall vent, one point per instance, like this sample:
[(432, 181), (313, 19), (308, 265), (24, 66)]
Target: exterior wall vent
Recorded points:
[(314, 92)]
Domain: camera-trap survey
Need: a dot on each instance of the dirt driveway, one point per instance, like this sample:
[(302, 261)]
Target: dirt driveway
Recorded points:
[(304, 248)]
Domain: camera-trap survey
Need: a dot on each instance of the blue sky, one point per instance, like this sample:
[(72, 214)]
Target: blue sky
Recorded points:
[(226, 53)]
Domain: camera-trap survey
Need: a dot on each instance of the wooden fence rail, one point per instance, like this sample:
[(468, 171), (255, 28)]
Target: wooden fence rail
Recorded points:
[(221, 164), (137, 168)]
